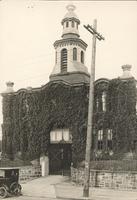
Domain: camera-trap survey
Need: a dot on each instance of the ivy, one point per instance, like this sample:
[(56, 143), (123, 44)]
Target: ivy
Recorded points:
[(34, 113)]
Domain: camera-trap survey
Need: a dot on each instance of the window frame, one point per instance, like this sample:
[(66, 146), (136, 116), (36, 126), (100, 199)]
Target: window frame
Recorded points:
[(104, 101), (64, 60), (67, 24), (109, 139), (82, 57), (100, 136), (74, 54), (72, 24), (59, 136)]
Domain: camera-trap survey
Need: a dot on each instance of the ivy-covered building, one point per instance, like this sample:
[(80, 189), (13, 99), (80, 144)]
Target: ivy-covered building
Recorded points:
[(52, 120)]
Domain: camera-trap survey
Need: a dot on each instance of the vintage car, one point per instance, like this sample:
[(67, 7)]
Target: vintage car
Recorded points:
[(9, 182)]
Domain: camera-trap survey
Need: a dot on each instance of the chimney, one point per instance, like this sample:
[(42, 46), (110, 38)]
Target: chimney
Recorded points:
[(9, 87), (126, 71)]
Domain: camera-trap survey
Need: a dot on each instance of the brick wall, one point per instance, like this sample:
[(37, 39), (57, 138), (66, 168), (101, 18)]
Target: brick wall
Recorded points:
[(107, 179), (29, 172)]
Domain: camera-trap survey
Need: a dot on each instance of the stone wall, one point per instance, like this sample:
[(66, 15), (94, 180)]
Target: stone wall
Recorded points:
[(107, 179), (29, 172)]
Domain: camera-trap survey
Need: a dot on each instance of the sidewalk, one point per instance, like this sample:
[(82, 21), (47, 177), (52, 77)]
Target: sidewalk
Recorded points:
[(42, 187), (60, 187), (71, 191)]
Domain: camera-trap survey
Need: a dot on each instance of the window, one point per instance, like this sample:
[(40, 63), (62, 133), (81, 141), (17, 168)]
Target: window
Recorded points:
[(104, 101), (74, 54), (82, 57), (100, 139), (72, 23), (77, 25), (97, 104), (2, 173), (64, 60), (60, 135), (56, 57), (67, 24), (109, 139)]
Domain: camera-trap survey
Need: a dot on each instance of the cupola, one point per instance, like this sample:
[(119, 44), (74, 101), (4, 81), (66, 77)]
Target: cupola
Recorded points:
[(70, 52), (70, 23)]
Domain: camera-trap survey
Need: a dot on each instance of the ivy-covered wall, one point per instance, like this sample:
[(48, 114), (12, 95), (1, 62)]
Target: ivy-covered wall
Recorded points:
[(33, 113), (120, 116), (30, 115)]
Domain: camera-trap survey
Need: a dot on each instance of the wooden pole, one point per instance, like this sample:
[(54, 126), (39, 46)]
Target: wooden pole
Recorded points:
[(96, 35), (90, 116)]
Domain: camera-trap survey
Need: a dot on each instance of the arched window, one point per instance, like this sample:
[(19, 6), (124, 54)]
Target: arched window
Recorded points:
[(82, 57), (67, 24), (64, 60), (75, 53), (104, 101), (72, 23)]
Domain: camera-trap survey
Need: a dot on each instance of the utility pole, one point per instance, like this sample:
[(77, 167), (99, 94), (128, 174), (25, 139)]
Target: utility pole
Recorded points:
[(96, 35)]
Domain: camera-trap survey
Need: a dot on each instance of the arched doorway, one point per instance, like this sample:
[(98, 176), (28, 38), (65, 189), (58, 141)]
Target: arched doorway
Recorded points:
[(60, 154)]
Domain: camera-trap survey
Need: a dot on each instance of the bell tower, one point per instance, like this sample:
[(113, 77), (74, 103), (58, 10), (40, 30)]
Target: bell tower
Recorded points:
[(70, 52)]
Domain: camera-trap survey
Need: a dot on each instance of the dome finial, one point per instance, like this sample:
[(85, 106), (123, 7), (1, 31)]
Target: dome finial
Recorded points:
[(71, 7)]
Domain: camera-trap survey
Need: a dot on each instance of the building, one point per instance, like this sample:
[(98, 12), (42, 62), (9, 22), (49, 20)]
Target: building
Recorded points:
[(50, 122)]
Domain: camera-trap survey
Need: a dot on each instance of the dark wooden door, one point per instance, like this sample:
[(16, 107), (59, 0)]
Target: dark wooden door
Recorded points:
[(60, 158)]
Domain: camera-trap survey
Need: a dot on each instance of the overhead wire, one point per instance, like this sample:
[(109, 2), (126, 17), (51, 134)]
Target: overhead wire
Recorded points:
[(33, 63)]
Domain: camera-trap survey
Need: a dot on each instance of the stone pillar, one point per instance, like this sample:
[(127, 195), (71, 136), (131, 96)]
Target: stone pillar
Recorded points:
[(126, 72), (44, 162)]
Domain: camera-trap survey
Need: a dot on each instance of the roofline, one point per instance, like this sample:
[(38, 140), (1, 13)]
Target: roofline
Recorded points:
[(55, 81), (44, 86), (102, 80)]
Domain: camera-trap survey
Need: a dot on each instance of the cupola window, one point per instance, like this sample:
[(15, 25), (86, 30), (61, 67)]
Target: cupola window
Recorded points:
[(56, 57), (72, 23), (64, 60), (67, 24), (75, 54), (82, 57)]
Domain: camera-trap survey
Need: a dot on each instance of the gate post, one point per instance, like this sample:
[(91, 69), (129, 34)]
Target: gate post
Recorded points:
[(44, 162)]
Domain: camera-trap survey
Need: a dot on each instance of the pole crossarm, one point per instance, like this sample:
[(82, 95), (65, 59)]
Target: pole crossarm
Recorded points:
[(93, 31)]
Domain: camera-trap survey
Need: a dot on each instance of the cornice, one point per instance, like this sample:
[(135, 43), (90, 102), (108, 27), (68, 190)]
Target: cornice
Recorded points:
[(70, 19), (68, 41)]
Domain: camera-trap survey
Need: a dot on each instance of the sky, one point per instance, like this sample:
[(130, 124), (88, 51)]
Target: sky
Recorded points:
[(30, 27)]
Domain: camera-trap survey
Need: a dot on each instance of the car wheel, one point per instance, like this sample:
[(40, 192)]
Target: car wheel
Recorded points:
[(3, 192)]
